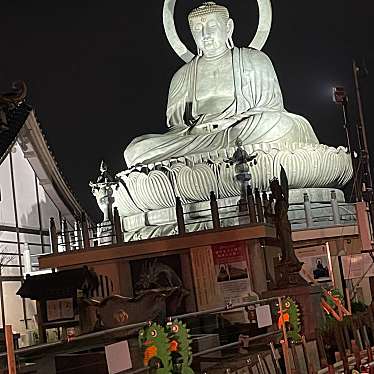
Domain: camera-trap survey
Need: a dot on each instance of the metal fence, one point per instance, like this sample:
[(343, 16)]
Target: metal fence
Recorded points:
[(42, 358)]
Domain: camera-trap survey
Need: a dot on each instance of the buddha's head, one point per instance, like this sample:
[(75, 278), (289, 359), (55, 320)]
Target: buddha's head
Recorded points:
[(211, 28)]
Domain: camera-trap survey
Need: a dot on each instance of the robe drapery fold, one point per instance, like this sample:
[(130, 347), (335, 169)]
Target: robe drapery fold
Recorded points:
[(256, 115)]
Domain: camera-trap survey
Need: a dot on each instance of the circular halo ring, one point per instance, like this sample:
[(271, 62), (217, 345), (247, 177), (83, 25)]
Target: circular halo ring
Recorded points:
[(262, 33)]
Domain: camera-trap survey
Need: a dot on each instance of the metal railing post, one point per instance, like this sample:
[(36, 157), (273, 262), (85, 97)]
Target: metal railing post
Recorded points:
[(117, 226), (251, 206), (335, 208), (180, 216), (308, 211), (214, 210), (53, 235), (66, 234), (259, 208), (85, 235)]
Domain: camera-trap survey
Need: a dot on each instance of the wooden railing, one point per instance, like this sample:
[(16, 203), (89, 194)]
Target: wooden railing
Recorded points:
[(256, 208)]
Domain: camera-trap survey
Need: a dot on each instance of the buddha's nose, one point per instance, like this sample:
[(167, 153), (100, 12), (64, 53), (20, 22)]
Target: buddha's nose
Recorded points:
[(204, 32)]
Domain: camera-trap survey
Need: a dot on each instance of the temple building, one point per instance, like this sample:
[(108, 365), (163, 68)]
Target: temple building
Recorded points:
[(198, 198), (236, 201), (32, 190)]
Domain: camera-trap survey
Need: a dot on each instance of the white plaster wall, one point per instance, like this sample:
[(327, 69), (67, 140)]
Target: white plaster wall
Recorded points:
[(27, 210), (24, 180), (6, 203)]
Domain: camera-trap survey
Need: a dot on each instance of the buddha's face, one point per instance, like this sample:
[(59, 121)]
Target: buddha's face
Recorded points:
[(211, 32)]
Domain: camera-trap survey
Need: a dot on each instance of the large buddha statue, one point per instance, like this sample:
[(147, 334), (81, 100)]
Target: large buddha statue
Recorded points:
[(224, 93), (222, 96)]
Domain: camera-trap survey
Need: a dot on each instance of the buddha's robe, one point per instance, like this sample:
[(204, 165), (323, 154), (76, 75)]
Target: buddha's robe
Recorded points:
[(256, 114)]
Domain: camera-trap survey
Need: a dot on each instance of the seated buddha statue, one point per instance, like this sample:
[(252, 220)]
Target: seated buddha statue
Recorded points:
[(222, 94)]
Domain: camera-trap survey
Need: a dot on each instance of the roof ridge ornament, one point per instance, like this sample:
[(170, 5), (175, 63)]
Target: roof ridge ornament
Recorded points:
[(18, 94), (259, 40)]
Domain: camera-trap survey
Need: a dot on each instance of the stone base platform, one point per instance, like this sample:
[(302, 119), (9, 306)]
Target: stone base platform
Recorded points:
[(146, 194), (154, 187)]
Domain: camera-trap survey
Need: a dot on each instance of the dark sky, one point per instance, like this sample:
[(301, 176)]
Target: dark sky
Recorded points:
[(98, 72)]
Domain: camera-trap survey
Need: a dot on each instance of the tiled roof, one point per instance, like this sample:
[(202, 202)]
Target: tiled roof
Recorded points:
[(61, 283), (11, 122), (13, 119)]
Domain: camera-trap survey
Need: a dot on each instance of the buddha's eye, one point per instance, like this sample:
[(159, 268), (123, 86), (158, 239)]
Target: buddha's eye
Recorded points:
[(154, 333), (198, 28)]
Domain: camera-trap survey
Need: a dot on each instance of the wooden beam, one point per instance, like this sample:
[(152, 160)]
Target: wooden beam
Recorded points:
[(10, 350), (325, 233), (157, 246)]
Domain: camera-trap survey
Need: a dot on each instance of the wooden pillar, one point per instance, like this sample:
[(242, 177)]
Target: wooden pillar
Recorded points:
[(251, 205), (214, 210), (85, 235), (257, 265), (180, 216), (266, 204), (371, 318), (357, 354), (321, 348), (10, 350), (117, 226), (41, 329), (341, 347), (259, 208), (284, 341), (66, 235), (335, 208), (53, 235)]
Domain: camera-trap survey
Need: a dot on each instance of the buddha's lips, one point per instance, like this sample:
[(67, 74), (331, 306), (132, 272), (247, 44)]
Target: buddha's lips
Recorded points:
[(148, 342)]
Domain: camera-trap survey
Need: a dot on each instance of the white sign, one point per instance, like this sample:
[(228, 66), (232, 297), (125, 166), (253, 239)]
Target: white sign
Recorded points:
[(118, 357), (263, 315)]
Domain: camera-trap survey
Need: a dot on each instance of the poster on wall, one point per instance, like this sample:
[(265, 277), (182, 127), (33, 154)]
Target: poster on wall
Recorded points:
[(316, 263), (231, 271), (60, 309)]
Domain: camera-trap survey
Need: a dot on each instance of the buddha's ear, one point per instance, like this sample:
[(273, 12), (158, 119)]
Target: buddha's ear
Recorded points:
[(230, 27)]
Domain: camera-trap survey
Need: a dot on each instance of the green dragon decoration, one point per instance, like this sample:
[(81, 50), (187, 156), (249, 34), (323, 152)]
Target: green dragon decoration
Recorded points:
[(155, 343), (180, 347), (291, 319), (332, 305), (167, 349)]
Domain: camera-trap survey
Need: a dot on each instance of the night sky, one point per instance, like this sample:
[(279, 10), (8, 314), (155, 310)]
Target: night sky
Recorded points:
[(98, 72)]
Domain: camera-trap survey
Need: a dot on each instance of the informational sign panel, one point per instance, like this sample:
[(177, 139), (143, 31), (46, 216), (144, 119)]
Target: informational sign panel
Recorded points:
[(263, 315), (231, 271), (207, 294), (220, 274), (118, 357), (60, 309), (316, 263)]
